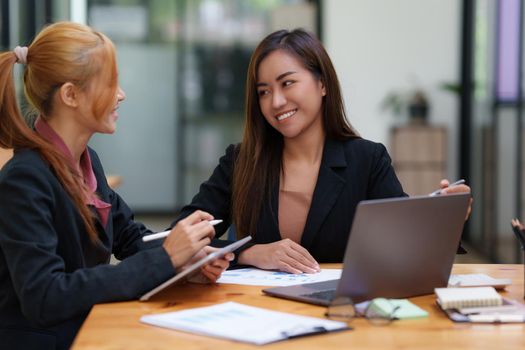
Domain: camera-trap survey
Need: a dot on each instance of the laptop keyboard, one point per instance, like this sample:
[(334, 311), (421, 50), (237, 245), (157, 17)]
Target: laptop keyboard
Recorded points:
[(328, 295)]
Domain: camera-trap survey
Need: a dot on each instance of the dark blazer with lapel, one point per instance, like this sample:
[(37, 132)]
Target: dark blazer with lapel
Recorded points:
[(350, 171), (51, 274)]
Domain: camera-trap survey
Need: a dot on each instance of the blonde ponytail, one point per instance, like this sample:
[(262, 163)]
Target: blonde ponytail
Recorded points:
[(62, 52)]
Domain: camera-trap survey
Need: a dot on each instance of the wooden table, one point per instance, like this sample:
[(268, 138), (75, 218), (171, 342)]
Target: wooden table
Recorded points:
[(117, 326)]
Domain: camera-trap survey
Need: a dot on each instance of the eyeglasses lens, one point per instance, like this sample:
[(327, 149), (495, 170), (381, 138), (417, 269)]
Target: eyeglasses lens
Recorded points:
[(341, 308)]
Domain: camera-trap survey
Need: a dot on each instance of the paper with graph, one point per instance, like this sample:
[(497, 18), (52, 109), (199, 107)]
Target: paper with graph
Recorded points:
[(243, 323), (258, 277)]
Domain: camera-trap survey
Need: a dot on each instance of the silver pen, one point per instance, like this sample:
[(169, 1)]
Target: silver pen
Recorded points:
[(437, 192), (166, 233)]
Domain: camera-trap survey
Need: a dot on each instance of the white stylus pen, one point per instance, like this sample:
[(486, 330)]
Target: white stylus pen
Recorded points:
[(166, 233), (436, 192)]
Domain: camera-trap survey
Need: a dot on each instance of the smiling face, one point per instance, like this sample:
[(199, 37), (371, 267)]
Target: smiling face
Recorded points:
[(97, 117), (101, 94), (290, 96), (107, 124)]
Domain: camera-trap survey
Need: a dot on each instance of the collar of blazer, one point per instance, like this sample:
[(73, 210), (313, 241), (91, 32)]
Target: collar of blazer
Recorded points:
[(328, 188), (334, 154)]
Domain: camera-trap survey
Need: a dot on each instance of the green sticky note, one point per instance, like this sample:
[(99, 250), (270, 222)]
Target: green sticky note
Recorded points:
[(405, 309)]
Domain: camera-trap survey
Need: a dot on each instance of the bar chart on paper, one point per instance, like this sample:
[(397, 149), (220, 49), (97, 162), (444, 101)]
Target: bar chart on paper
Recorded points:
[(244, 323), (257, 277)]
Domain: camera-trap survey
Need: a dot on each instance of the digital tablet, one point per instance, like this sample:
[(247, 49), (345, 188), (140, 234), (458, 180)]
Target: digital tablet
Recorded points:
[(194, 267)]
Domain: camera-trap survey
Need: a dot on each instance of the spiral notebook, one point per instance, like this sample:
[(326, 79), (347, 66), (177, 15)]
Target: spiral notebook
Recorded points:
[(457, 298)]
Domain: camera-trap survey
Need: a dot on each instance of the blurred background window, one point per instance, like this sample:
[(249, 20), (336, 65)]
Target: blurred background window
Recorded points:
[(183, 67)]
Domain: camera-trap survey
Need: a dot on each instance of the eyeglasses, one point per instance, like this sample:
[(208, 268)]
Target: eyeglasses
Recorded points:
[(379, 311)]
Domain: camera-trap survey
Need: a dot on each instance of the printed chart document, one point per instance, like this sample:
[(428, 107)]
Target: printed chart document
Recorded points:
[(257, 277), (243, 323)]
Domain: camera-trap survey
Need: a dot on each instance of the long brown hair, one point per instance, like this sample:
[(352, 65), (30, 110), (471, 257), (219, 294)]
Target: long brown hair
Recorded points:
[(259, 158), (62, 52)]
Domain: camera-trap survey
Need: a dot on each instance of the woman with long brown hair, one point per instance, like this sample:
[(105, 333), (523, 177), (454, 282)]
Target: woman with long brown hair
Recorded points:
[(59, 220), (295, 180)]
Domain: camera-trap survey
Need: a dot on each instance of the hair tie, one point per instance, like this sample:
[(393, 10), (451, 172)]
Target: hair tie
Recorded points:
[(21, 54)]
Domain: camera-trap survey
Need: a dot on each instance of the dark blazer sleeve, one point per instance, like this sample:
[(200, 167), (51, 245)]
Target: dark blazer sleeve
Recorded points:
[(51, 285), (383, 182), (214, 195)]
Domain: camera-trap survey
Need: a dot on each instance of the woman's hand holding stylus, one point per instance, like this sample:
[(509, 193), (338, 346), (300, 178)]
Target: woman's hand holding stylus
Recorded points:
[(188, 237), (457, 187)]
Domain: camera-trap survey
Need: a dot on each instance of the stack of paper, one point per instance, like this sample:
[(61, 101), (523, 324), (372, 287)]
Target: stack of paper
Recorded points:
[(479, 304), (478, 280)]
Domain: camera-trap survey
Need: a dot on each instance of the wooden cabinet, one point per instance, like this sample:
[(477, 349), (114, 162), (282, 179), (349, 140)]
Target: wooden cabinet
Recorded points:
[(419, 155)]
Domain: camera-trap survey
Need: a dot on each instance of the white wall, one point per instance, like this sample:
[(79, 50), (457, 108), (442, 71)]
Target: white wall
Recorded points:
[(382, 45)]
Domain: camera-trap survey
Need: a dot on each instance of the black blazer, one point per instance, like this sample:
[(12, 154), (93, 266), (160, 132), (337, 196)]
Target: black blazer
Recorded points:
[(350, 171), (50, 272)]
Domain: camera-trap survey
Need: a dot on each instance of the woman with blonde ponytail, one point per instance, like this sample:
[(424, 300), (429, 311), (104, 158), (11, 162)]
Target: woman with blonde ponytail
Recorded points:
[(59, 220)]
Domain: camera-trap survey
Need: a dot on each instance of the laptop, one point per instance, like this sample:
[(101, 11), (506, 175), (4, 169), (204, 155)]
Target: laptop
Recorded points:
[(398, 248)]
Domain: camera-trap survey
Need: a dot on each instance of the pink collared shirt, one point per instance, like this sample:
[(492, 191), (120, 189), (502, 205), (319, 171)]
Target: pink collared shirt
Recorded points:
[(90, 198)]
